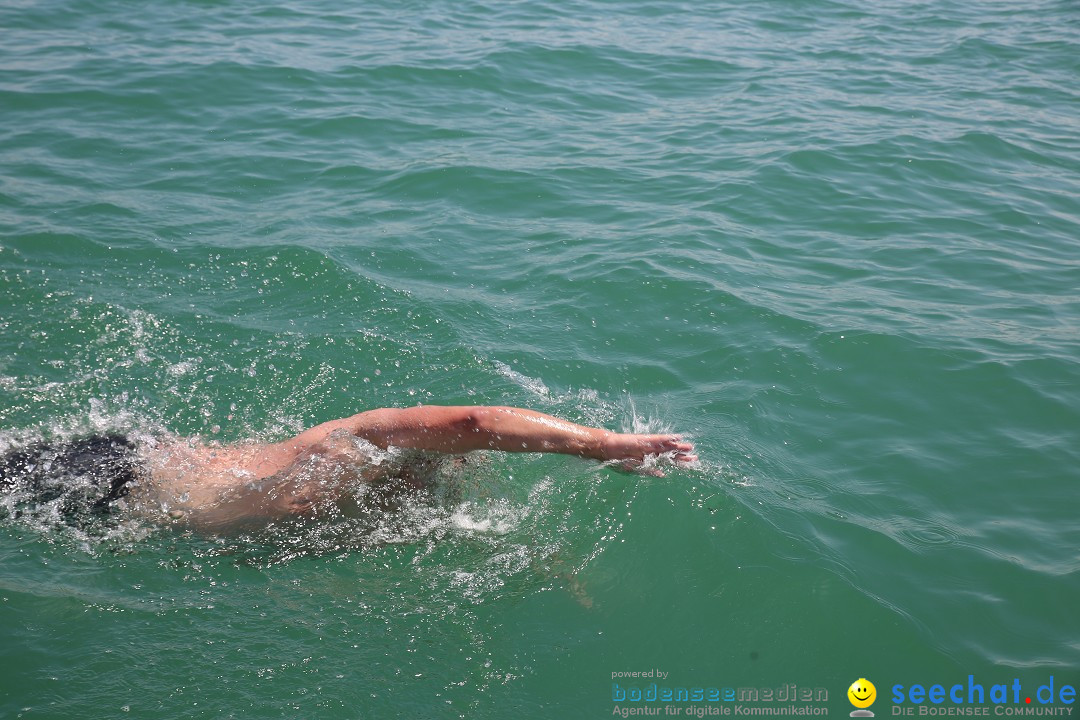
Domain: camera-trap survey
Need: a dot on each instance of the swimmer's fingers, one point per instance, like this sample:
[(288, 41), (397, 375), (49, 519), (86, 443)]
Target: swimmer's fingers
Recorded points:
[(675, 443), (629, 446), (678, 451), (651, 464), (664, 444)]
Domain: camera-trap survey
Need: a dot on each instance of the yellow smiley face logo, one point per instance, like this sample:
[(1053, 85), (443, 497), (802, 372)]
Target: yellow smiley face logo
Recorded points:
[(862, 693)]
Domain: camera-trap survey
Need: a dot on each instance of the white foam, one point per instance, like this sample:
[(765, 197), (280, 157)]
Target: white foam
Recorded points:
[(498, 516)]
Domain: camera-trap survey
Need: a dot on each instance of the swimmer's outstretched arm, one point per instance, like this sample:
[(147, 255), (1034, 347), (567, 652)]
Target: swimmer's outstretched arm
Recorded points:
[(460, 429)]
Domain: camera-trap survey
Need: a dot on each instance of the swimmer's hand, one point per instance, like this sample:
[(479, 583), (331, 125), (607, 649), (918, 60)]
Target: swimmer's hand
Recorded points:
[(641, 453)]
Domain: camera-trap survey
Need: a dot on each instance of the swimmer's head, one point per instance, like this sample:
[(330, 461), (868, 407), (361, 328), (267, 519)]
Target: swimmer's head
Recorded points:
[(79, 476)]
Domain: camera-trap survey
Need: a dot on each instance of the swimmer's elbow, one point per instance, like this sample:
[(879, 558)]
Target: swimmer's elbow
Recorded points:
[(487, 419), (455, 428), (429, 427)]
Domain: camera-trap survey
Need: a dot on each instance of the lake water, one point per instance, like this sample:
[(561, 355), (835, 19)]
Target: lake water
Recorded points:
[(835, 243)]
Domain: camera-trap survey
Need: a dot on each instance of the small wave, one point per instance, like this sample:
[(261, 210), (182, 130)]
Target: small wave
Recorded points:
[(533, 385), (921, 533)]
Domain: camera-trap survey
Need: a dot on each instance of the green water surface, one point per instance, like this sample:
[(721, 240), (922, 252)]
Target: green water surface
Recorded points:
[(835, 243)]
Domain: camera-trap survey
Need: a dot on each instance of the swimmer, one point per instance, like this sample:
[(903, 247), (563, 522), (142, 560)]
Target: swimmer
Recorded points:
[(218, 487)]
